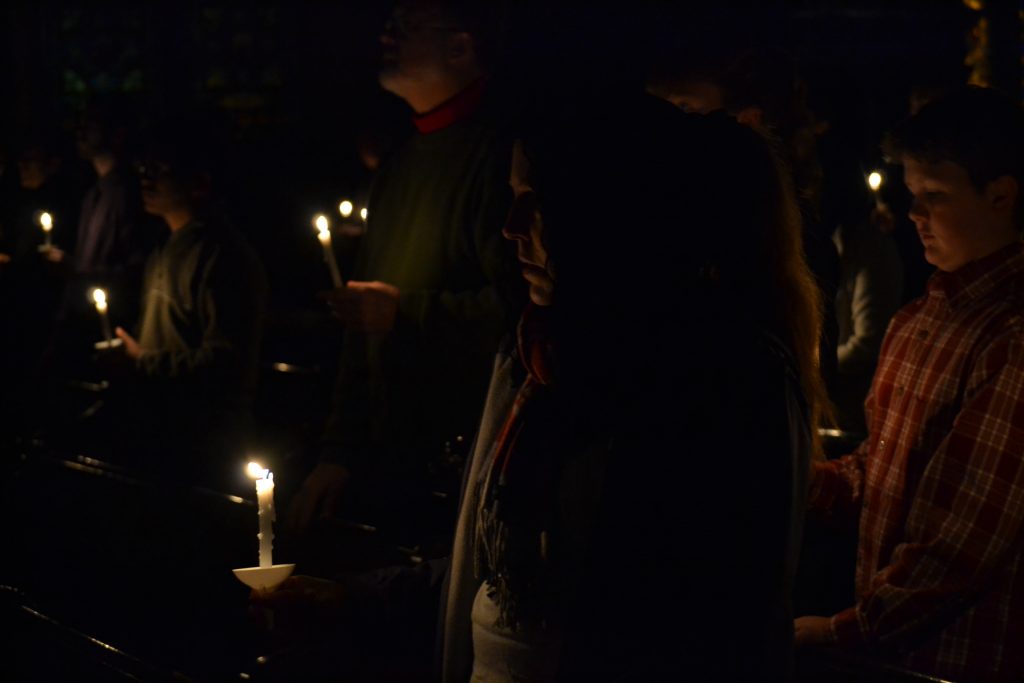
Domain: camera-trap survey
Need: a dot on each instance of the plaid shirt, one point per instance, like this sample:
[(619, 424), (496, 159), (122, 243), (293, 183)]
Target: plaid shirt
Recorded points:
[(939, 482)]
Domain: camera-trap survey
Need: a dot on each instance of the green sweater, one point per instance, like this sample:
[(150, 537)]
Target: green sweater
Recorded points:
[(204, 294), (436, 212)]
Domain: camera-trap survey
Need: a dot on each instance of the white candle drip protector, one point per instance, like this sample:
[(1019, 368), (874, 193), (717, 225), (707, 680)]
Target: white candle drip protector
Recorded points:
[(267, 576)]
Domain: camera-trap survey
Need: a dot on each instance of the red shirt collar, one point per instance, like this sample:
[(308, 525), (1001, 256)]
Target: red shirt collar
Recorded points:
[(453, 110)]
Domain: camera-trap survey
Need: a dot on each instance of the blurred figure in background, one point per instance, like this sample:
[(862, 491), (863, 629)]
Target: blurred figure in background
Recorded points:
[(30, 289), (870, 293), (113, 238), (196, 349), (434, 287)]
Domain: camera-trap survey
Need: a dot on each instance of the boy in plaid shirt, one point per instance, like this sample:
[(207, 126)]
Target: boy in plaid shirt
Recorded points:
[(938, 484)]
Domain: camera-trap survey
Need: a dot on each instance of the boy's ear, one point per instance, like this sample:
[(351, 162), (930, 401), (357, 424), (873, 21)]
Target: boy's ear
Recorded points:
[(1003, 193)]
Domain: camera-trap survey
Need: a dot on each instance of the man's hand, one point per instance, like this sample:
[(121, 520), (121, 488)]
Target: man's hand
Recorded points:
[(369, 307), (813, 631), (55, 255), (321, 492), (131, 346)]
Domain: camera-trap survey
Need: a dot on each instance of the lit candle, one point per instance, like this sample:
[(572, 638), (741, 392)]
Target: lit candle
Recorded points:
[(324, 235), (875, 183), (46, 222), (363, 213), (265, 499), (100, 298), (345, 208)]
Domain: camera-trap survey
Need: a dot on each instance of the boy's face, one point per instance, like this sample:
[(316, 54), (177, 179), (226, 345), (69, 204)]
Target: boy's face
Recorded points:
[(956, 223)]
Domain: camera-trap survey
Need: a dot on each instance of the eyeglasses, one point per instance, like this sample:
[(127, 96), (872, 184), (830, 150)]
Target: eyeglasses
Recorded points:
[(152, 170)]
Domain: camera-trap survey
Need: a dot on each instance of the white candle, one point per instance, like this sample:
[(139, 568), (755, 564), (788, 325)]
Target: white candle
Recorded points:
[(324, 235), (345, 208), (265, 499), (100, 297), (46, 222)]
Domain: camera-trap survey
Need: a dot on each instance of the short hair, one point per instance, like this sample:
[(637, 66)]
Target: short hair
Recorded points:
[(979, 129), (485, 21)]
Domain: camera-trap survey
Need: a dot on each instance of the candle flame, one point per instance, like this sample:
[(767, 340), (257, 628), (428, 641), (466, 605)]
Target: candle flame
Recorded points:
[(256, 471), (46, 220), (100, 297), (363, 213), (875, 180), (321, 224), (345, 208)]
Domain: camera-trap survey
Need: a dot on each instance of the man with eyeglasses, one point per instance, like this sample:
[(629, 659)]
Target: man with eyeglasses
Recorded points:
[(204, 292), (435, 286)]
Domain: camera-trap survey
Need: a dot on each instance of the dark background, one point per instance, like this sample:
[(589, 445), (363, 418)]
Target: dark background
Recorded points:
[(294, 83)]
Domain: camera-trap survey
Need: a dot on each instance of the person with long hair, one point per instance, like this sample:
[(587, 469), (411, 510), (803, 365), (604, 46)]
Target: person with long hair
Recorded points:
[(637, 481)]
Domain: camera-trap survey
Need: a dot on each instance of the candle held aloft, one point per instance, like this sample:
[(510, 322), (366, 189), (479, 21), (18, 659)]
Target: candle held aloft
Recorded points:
[(99, 296), (265, 499), (324, 235)]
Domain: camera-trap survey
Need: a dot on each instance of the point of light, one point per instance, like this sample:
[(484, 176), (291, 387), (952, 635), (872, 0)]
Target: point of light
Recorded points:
[(345, 208), (256, 471), (321, 223), (363, 213), (46, 220), (875, 180), (99, 296)]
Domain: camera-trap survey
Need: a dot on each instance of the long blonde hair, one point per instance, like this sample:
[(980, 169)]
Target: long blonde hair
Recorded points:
[(801, 306)]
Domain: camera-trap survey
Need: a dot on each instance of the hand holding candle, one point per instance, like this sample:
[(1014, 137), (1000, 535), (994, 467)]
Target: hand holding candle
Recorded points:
[(324, 235)]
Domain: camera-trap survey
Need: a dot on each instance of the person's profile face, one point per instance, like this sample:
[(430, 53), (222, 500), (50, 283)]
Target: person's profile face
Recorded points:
[(162, 193), (525, 227), (413, 47), (953, 220)]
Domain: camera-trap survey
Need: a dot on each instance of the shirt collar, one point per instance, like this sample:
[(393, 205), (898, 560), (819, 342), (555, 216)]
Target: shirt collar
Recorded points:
[(977, 278), (455, 109)]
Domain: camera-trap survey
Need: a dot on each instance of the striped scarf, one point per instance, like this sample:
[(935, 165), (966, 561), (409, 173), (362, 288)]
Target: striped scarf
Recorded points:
[(517, 493)]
